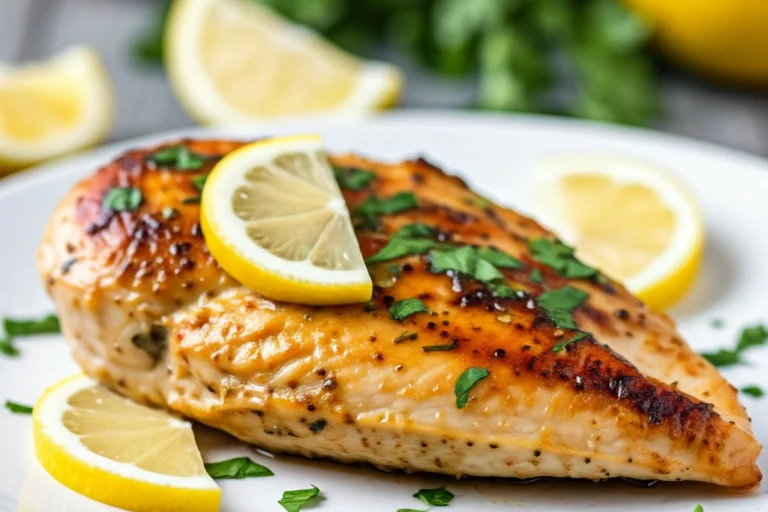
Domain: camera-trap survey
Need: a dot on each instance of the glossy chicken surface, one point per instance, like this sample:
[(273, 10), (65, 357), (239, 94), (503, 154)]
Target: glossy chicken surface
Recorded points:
[(148, 312)]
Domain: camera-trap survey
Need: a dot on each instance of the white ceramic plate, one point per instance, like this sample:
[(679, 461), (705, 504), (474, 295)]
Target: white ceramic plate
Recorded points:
[(496, 154)]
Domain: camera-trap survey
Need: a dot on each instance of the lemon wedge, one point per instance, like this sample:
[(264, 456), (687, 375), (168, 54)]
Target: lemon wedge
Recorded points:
[(274, 218), (634, 221), (51, 108), (230, 60), (119, 453)]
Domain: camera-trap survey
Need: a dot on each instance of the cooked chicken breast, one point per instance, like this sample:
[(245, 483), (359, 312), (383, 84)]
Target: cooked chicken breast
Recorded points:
[(148, 312)]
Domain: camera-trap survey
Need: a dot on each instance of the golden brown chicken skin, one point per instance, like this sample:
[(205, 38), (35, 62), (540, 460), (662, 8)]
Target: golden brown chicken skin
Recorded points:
[(148, 312)]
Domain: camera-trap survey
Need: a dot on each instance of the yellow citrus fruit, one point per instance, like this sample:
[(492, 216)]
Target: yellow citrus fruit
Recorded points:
[(274, 218), (54, 107), (725, 39), (231, 60), (635, 222), (119, 453)]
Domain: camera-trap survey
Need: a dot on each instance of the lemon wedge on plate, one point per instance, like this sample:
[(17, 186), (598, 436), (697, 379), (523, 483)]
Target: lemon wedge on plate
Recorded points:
[(51, 108), (634, 221), (119, 453), (274, 218), (230, 60)]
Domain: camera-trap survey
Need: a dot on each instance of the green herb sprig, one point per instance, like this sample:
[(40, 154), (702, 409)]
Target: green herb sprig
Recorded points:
[(17, 408), (559, 304), (753, 336), (466, 381), (15, 328), (560, 257), (122, 199), (179, 158), (402, 309), (293, 501), (753, 391), (240, 467), (352, 178), (437, 497), (374, 207)]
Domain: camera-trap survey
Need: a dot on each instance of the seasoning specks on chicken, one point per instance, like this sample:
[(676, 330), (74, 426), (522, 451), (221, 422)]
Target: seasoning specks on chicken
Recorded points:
[(630, 399)]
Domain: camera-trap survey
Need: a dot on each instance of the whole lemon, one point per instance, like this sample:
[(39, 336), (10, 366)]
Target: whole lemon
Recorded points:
[(724, 39)]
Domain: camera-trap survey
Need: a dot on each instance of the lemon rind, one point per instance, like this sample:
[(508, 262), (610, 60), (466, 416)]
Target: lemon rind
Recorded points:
[(669, 276), (378, 86), (66, 459), (97, 90), (257, 268)]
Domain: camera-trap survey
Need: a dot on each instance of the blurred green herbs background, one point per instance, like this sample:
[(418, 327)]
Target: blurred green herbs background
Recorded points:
[(583, 58)]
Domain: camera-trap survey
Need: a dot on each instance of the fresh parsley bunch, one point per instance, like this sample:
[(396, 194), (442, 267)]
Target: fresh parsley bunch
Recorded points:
[(586, 58), (594, 50)]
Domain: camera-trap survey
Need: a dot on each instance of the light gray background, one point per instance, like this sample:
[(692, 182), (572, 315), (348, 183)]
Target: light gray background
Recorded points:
[(34, 29)]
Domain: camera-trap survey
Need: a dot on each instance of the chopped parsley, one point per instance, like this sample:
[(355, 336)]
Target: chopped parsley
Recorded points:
[(402, 309), (407, 336), (717, 323), (49, 324), (292, 501), (408, 240), (439, 348), (498, 258), (241, 467), (353, 178), (199, 181), (466, 381), (561, 346), (178, 157), (122, 199), (723, 357), (7, 348), (559, 303), (438, 497), (536, 276), (754, 336), (18, 408), (755, 391), (465, 260), (317, 426), (18, 328), (374, 207), (560, 257), (477, 263)]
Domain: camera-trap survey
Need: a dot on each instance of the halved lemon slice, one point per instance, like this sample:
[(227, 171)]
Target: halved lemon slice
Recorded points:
[(231, 60), (119, 453), (634, 221), (53, 107), (274, 218)]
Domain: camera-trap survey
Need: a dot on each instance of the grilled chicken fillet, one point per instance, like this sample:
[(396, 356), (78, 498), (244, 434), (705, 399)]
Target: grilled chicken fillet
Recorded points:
[(148, 312)]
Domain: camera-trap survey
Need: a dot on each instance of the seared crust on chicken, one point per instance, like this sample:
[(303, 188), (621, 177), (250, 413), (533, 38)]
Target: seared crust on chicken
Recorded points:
[(148, 312)]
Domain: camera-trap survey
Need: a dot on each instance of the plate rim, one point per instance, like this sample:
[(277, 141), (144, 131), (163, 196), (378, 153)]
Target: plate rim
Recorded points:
[(440, 117)]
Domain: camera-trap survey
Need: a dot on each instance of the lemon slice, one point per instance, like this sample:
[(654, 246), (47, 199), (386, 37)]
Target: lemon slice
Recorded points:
[(274, 218), (119, 453), (231, 60), (53, 107), (634, 221)]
